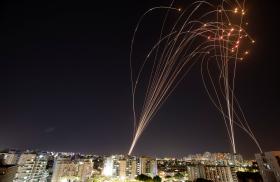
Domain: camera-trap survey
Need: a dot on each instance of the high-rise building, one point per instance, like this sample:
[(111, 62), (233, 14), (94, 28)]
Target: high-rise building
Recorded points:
[(214, 173), (111, 166), (31, 168), (269, 165), (120, 166), (147, 166), (68, 169), (196, 171), (220, 174), (127, 168)]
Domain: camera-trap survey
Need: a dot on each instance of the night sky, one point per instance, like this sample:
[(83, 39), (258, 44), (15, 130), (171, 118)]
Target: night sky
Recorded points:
[(64, 74)]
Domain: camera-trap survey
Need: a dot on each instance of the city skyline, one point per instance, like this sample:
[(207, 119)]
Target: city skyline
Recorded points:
[(25, 166), (65, 80)]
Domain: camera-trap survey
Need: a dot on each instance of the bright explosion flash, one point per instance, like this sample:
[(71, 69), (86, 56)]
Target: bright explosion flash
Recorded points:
[(216, 39)]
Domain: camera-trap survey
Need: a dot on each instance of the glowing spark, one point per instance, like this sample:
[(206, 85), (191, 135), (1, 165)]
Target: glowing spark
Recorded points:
[(214, 42)]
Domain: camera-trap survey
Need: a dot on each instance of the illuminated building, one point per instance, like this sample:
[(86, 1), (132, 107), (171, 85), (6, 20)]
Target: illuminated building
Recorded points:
[(120, 166), (147, 166), (212, 172), (111, 166), (31, 168), (269, 165), (127, 168), (196, 171), (216, 158), (220, 174), (70, 170)]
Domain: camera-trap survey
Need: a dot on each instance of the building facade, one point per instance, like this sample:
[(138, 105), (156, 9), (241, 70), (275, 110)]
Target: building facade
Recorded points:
[(214, 173), (129, 167), (72, 170), (31, 168), (269, 165), (220, 174), (196, 171), (147, 166)]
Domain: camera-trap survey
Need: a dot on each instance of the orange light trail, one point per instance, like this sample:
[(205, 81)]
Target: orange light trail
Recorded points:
[(213, 38)]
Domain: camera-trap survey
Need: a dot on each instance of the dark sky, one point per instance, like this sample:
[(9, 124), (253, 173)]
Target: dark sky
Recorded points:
[(64, 74)]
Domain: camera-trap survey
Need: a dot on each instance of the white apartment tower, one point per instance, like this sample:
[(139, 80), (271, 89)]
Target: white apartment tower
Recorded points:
[(147, 166), (31, 168), (72, 170), (269, 165)]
